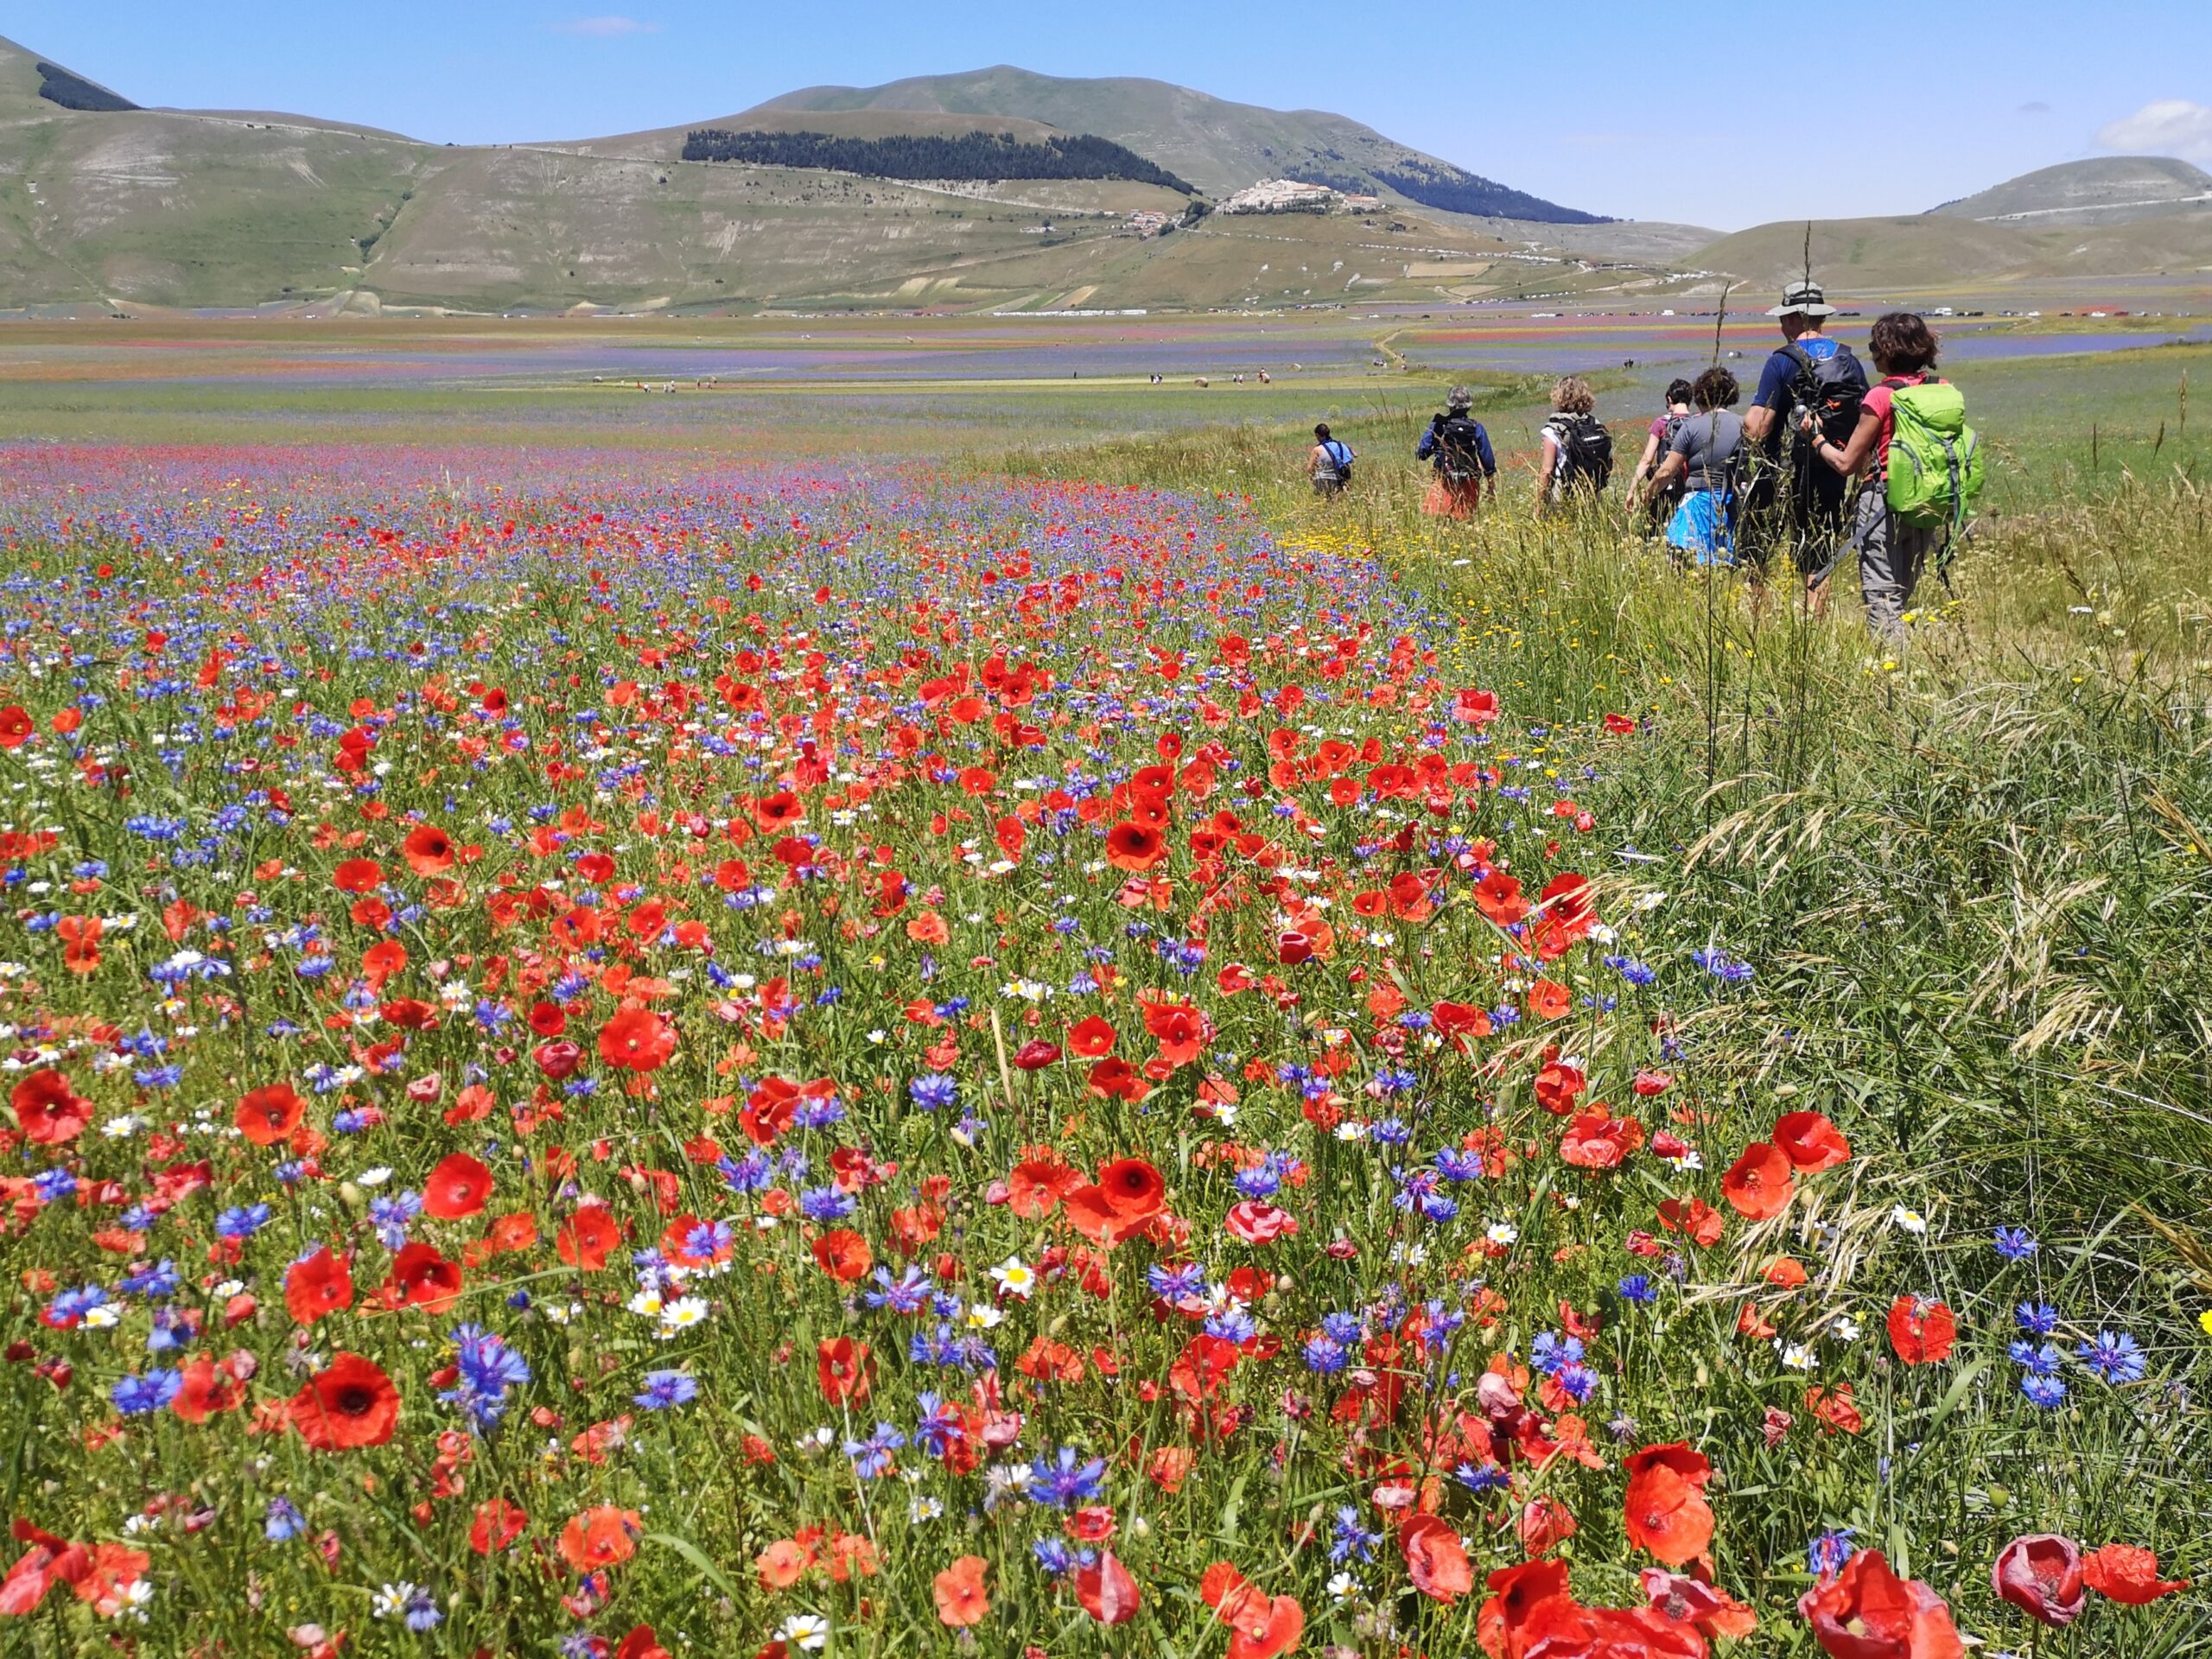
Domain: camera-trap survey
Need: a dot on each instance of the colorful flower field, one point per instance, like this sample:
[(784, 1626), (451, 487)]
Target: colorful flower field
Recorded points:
[(771, 1062)]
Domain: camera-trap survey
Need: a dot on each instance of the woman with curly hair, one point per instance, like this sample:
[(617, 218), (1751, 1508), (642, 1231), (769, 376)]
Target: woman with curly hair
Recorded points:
[(1578, 450)]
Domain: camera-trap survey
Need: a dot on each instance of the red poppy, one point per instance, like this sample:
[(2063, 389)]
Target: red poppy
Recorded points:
[(457, 1188), (1922, 1332), (357, 875), (2127, 1573), (1106, 1590), (1680, 1600), (1549, 1000), (586, 1237), (1665, 1502), (1695, 1220), (50, 1111), (641, 1644), (1598, 1140), (496, 1524), (1035, 1188), (1810, 1142), (1435, 1560), (1558, 1086), (844, 1255), (1091, 1037), (350, 1403), (1035, 1055), (2040, 1574), (268, 1116), (207, 1388), (319, 1286), (420, 1277), (1866, 1612), (1759, 1185), (845, 1370), (1181, 1031), (638, 1039), (1133, 846), (428, 850), (600, 1536), (16, 726), (1498, 895), (961, 1598), (1127, 1195)]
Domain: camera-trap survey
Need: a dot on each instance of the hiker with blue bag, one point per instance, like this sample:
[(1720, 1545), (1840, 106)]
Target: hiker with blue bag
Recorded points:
[(1920, 465), (1329, 462), (1705, 457)]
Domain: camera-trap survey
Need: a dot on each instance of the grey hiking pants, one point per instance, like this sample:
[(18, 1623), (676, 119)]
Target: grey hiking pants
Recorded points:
[(1891, 560)]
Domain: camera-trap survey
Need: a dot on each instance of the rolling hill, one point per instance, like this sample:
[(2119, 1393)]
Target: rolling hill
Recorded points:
[(106, 203), (2112, 190), (1219, 146), (2129, 215)]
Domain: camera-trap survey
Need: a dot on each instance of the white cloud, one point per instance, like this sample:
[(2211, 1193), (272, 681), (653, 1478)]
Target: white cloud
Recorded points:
[(2170, 126), (606, 28)]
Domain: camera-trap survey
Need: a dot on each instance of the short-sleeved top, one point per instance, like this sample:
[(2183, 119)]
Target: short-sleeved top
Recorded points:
[(1708, 444), (1774, 382), (1882, 403)]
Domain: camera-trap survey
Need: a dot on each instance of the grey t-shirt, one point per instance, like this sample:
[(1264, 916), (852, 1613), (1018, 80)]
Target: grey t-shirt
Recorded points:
[(1707, 443)]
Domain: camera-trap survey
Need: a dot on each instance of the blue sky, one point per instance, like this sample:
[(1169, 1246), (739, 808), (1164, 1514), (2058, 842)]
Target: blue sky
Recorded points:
[(1724, 115)]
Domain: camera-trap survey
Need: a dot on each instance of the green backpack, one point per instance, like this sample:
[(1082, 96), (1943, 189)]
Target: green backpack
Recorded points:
[(1935, 470)]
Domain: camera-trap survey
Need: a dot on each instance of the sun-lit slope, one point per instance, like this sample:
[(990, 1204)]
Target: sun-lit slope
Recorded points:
[(2109, 190), (662, 143), (1872, 253), (1218, 145), (171, 209)]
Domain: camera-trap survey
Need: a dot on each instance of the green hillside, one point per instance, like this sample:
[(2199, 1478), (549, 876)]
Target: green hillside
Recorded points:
[(1218, 145), (2111, 190)]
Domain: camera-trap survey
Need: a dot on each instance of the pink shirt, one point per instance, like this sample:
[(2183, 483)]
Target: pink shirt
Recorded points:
[(1881, 403)]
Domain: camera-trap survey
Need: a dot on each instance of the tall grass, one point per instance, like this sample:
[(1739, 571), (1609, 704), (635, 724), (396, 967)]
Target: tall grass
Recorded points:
[(1975, 873)]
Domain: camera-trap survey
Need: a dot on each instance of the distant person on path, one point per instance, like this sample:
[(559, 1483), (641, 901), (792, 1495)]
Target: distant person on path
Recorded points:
[(1919, 464), (1792, 501), (1458, 450), (1702, 460), (1578, 450), (1329, 462), (1660, 501)]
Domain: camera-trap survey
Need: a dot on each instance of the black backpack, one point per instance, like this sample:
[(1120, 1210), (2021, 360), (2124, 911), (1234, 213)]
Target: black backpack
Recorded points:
[(1586, 453), (1459, 441), (1833, 388)]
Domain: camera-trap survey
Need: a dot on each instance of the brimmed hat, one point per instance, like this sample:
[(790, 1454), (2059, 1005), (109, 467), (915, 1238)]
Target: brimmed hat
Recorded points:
[(1803, 299), (1459, 397)]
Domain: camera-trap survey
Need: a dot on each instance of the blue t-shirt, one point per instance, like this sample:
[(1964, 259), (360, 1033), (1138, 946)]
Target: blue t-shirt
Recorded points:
[(1774, 382)]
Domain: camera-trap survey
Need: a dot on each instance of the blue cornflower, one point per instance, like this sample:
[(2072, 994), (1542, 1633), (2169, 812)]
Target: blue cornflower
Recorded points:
[(1456, 1166), (1351, 1538), (158, 1280), (1325, 1356), (1483, 1478), (1345, 1328), (2048, 1392), (421, 1613), (872, 1457), (751, 1174), (933, 1091), (1232, 1324), (666, 1389), (135, 1396), (1054, 1557), (488, 1369), (1828, 1551), (1629, 968), (2038, 1360), (908, 1293), (53, 1185), (2114, 1357), (2015, 1243), (283, 1521), (2039, 1319), (940, 1426), (391, 1216), (1067, 1481), (1636, 1288), (1551, 1353), (242, 1220), (1176, 1284), (826, 1204)]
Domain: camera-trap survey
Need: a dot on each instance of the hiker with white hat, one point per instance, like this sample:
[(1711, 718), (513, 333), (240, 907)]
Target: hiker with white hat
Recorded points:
[(1792, 501)]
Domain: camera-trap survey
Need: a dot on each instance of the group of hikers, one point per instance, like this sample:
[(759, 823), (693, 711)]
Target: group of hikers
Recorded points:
[(1724, 489)]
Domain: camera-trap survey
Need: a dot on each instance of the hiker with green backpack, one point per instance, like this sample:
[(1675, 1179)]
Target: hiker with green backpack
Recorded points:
[(1921, 466)]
